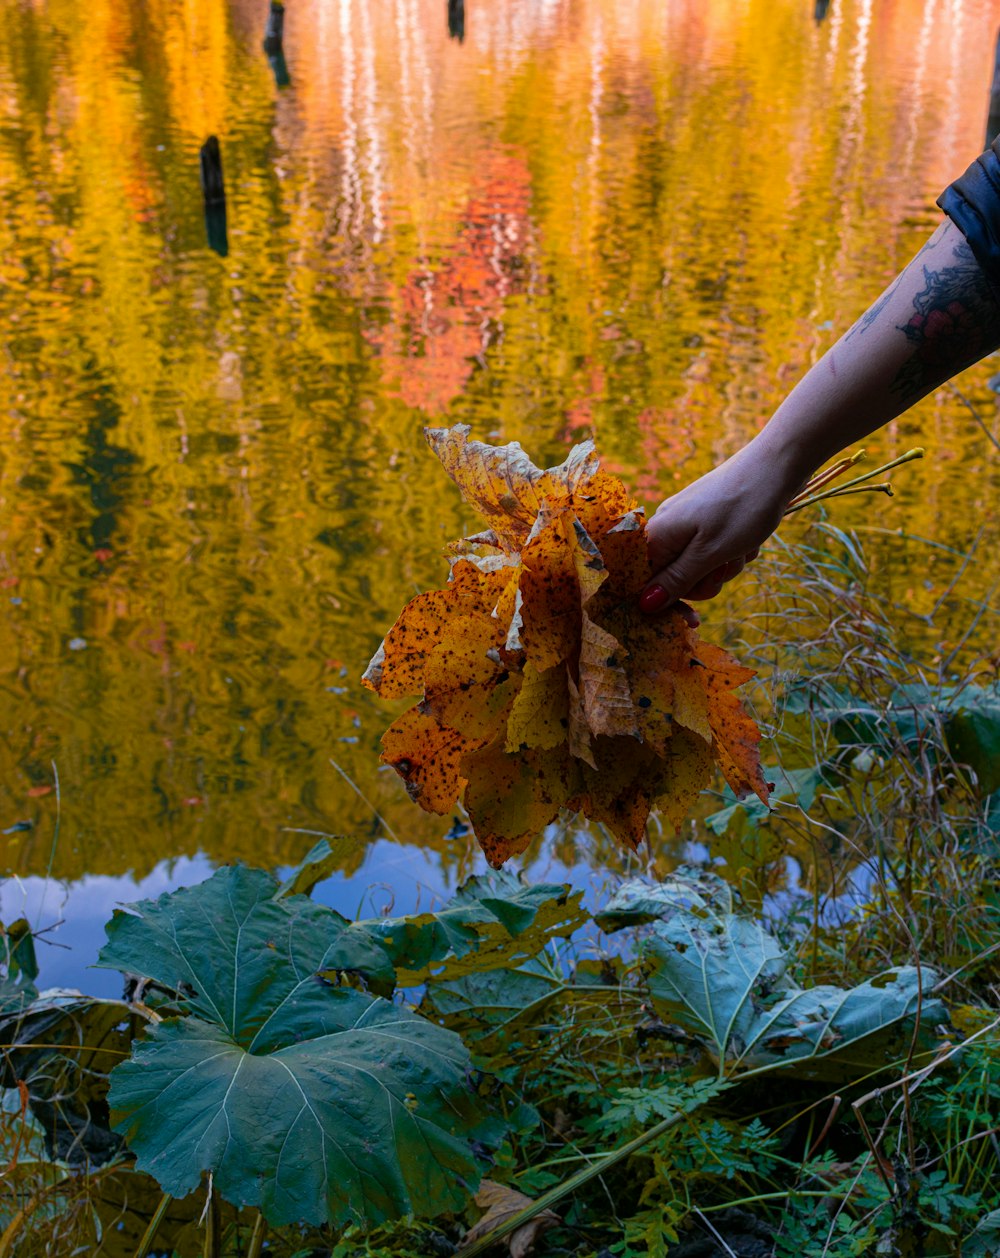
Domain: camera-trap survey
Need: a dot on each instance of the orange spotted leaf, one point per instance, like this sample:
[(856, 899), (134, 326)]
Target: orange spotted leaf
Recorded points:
[(511, 798), (687, 771), (550, 594), (735, 734), (541, 685), (427, 757), (498, 481)]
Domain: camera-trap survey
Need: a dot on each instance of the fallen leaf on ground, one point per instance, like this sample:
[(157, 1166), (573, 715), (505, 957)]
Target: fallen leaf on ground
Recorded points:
[(541, 684), (501, 1203)]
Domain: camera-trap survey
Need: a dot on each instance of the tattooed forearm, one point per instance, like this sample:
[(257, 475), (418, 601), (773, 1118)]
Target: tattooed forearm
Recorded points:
[(955, 322), (872, 313)]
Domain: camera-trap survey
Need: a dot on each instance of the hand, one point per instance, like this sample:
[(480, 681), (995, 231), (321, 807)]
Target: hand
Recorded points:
[(705, 535)]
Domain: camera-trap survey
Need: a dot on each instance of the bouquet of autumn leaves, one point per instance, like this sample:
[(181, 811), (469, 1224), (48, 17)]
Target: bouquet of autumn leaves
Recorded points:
[(543, 687)]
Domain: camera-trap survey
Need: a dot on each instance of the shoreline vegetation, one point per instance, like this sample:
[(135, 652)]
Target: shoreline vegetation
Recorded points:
[(701, 1064)]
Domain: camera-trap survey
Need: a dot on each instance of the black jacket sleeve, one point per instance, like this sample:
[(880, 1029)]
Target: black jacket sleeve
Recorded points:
[(972, 203)]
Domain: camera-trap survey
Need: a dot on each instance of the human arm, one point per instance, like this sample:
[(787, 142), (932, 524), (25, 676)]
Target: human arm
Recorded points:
[(938, 317)]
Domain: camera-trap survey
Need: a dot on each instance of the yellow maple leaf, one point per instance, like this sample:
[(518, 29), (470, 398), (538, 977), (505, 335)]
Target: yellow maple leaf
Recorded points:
[(542, 685)]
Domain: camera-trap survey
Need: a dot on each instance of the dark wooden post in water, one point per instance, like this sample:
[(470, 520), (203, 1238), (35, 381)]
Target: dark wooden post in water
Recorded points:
[(993, 121), (274, 43), (456, 20), (213, 188)]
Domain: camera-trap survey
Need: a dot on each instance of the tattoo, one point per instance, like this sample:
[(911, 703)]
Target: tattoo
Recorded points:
[(873, 312), (956, 321)]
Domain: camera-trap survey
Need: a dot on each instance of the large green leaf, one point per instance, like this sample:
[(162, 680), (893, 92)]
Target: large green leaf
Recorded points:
[(192, 941), (317, 1104), (721, 975), (636, 902), (491, 1010), (492, 921)]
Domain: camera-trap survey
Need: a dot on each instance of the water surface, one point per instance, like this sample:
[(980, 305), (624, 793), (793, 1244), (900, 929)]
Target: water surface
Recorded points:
[(639, 220)]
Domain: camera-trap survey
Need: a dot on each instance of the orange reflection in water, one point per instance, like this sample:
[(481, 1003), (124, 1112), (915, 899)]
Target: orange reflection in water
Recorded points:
[(638, 219)]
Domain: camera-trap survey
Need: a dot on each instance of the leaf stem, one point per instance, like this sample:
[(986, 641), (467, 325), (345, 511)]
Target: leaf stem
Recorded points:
[(797, 503), (841, 491), (257, 1238), (146, 1244), (831, 473), (556, 1194)]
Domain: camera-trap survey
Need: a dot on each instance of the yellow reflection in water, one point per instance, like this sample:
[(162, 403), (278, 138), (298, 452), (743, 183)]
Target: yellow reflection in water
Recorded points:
[(638, 219)]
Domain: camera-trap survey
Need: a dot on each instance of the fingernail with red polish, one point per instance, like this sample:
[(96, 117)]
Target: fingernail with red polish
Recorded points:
[(653, 599)]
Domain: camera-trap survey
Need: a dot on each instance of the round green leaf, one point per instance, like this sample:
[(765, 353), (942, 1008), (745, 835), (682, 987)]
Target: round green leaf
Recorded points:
[(317, 1104)]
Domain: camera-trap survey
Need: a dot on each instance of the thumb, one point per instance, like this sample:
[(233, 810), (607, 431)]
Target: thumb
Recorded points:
[(673, 556)]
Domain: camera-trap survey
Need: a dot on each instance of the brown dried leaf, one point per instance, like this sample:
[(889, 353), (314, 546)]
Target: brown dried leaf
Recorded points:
[(630, 779), (604, 688), (579, 732), (501, 1203), (620, 792), (626, 556)]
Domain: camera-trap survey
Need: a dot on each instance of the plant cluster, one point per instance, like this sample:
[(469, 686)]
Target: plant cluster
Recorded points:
[(713, 1061)]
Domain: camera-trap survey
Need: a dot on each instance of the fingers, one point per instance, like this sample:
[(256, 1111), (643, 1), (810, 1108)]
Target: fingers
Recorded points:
[(689, 614), (670, 584)]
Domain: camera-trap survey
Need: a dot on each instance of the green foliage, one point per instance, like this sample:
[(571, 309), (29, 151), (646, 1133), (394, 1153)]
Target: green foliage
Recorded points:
[(799, 785), (492, 921), (967, 714), (317, 1104), (18, 967), (720, 974), (646, 1082)]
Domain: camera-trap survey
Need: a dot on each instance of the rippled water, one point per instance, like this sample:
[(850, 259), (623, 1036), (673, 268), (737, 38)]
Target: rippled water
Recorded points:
[(634, 219)]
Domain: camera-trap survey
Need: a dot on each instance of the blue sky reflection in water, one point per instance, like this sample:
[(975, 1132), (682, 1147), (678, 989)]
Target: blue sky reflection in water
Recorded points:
[(635, 220)]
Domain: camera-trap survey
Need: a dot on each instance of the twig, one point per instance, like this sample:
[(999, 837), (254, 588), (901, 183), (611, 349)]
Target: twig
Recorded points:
[(975, 414), (908, 457), (834, 1110), (841, 491), (365, 800), (831, 473), (257, 1238), (146, 1244)]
